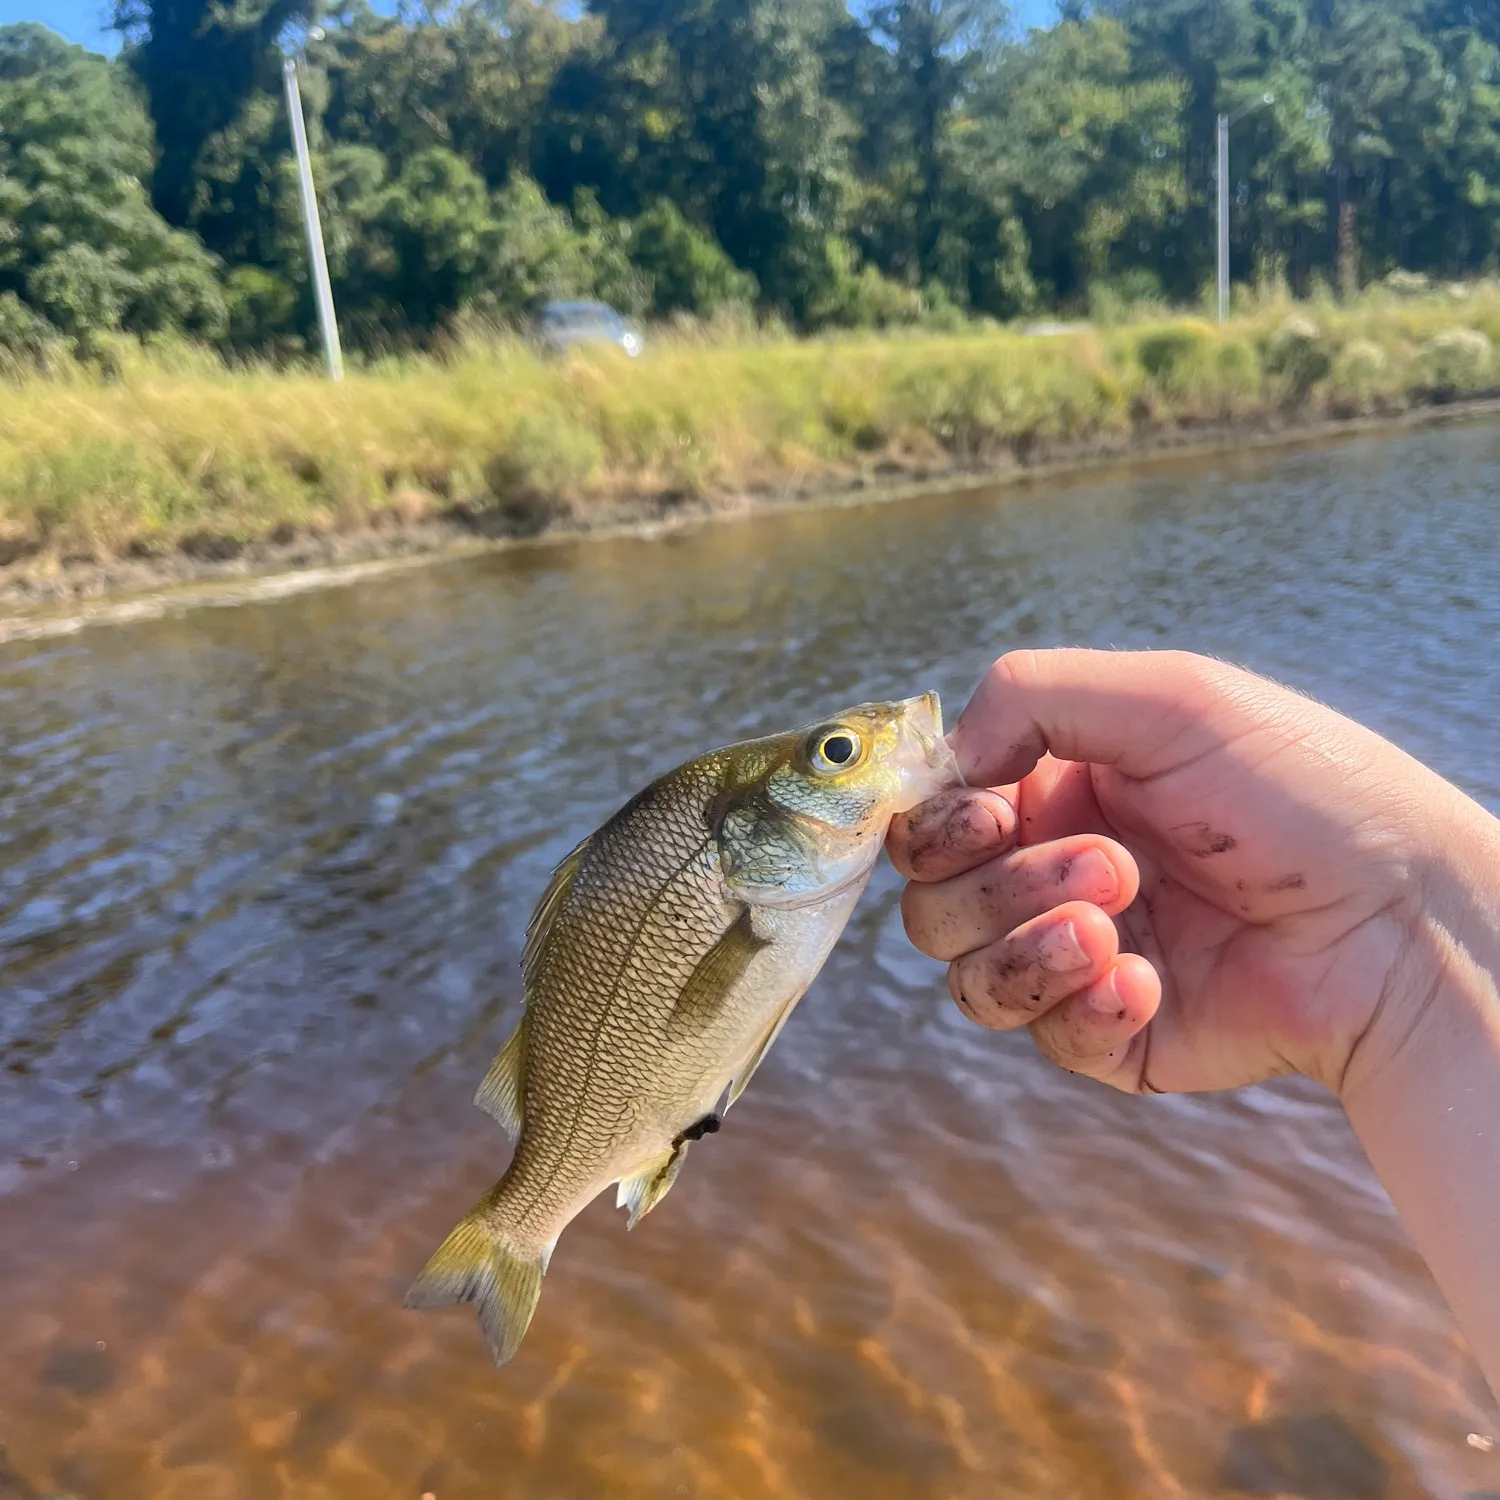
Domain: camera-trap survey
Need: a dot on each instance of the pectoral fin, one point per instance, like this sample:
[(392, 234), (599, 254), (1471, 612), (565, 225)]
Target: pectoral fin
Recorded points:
[(718, 971), (504, 1088), (641, 1193), (737, 1086)]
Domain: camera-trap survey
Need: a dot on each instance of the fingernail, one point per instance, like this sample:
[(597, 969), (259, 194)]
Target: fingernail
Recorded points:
[(972, 828), (1093, 871), (1060, 951), (1105, 1000)]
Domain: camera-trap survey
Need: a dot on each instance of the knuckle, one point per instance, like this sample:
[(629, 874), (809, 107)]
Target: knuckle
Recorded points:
[(964, 995), (1058, 1047), (1203, 678), (911, 898), (898, 845), (931, 927), (1015, 670), (1009, 984), (982, 1007)]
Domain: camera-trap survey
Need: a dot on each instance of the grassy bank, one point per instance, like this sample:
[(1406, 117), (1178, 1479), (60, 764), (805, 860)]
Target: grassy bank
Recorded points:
[(170, 453)]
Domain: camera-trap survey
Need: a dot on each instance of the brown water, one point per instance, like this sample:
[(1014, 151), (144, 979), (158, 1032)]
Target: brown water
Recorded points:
[(263, 875)]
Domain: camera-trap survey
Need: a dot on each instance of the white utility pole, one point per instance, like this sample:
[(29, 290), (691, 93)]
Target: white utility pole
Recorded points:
[(333, 355), (1223, 218), (1225, 121)]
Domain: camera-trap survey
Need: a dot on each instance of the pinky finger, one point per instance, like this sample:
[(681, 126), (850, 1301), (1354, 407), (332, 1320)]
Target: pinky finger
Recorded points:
[(1099, 1030)]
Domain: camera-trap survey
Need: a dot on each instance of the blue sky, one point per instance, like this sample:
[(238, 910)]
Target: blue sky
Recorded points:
[(77, 20), (84, 20)]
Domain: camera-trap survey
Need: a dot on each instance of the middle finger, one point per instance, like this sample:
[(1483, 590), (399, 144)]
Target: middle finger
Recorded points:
[(955, 916)]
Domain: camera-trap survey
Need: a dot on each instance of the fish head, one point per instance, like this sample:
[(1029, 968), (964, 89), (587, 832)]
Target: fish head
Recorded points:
[(811, 820)]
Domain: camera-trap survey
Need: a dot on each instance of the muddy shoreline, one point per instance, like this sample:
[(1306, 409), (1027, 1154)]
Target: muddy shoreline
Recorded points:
[(36, 594)]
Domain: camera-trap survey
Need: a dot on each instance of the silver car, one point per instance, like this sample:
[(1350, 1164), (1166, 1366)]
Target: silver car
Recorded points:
[(564, 324)]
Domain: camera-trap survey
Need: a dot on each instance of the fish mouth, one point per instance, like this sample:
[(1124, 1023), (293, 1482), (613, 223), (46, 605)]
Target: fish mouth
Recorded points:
[(925, 714), (928, 763)]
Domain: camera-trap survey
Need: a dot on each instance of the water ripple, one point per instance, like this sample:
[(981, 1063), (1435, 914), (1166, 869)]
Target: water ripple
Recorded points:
[(264, 873)]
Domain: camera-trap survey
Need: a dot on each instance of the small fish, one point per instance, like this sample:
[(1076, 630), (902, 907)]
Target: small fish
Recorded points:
[(659, 966)]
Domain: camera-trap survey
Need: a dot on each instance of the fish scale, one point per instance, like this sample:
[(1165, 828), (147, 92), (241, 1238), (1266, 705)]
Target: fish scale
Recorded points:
[(660, 965)]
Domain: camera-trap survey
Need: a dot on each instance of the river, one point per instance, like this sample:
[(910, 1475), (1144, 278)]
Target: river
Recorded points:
[(264, 872)]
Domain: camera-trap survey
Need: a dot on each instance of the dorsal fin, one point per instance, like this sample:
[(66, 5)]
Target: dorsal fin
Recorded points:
[(548, 907), (503, 1092)]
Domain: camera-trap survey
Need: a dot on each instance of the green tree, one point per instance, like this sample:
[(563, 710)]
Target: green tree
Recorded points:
[(939, 50), (1217, 50), (1090, 156), (79, 240), (201, 63), (687, 270), (471, 78), (839, 164), (1378, 82), (720, 107)]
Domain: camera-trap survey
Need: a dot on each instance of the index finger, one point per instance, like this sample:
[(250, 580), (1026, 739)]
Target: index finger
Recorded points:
[(950, 833)]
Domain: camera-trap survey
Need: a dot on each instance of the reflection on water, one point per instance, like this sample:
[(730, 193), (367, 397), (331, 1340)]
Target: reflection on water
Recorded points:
[(263, 875)]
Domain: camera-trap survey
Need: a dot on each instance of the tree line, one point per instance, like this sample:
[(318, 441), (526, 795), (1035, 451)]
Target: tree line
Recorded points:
[(900, 162)]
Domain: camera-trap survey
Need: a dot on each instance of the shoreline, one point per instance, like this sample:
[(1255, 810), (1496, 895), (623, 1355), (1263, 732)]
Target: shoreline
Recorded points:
[(77, 594)]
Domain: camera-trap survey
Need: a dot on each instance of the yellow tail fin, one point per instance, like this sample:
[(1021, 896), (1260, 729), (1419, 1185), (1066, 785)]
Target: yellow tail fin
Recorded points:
[(475, 1264)]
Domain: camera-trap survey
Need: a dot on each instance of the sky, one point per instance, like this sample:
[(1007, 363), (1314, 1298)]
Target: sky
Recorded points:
[(85, 20), (77, 20)]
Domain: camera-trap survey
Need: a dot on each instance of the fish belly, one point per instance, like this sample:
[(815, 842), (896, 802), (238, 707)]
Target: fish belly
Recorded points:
[(645, 1086)]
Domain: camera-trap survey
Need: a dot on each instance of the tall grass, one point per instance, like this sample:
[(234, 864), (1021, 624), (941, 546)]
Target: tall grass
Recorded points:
[(169, 448)]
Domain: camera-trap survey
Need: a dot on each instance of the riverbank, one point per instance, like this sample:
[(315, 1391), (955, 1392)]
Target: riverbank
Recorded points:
[(173, 468), (79, 595)]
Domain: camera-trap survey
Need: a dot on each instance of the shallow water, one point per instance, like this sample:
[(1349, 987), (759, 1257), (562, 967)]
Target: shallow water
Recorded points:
[(263, 876)]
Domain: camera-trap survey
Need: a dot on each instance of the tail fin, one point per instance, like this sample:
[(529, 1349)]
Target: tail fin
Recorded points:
[(474, 1264)]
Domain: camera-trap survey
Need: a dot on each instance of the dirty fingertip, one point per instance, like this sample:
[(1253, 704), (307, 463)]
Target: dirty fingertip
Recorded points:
[(951, 832), (1134, 990), (1092, 1030)]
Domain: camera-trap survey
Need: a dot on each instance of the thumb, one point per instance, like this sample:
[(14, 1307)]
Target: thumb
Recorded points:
[(1142, 712)]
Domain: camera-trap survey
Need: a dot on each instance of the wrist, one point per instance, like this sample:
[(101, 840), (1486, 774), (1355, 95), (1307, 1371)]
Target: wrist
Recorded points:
[(1422, 1089), (1441, 992)]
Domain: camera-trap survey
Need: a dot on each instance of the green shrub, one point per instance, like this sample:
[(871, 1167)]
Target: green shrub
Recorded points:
[(1236, 367), (549, 458), (939, 312), (970, 411), (1169, 353), (94, 497), (684, 265), (1115, 299), (1455, 363), (1359, 369), (851, 413), (1299, 354), (25, 336), (259, 304), (1408, 284)]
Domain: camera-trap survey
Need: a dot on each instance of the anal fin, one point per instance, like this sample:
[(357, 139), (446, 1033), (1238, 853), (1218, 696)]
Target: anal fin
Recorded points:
[(502, 1093), (641, 1193)]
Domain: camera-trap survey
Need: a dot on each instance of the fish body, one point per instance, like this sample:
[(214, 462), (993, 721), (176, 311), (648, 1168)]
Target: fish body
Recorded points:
[(660, 965)]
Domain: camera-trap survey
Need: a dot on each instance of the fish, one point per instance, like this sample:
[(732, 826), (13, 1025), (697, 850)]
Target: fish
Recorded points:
[(659, 966)]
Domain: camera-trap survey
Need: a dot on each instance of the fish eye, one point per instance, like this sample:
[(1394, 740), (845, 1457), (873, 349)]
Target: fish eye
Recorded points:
[(835, 750)]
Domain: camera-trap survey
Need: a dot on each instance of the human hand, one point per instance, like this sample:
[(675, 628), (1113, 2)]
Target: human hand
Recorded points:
[(1185, 878)]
